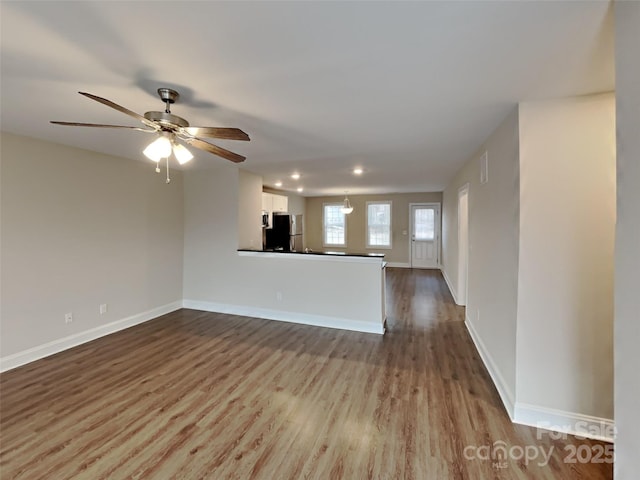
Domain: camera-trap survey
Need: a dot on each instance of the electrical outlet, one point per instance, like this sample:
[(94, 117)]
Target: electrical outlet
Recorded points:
[(68, 317), (103, 309), (279, 296)]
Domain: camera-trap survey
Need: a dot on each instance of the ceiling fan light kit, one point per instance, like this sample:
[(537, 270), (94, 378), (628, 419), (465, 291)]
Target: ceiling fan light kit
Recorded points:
[(170, 128), (182, 154), (158, 149), (162, 147)]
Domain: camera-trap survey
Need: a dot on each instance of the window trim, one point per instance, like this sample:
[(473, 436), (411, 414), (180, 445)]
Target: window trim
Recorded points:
[(366, 226), (333, 245)]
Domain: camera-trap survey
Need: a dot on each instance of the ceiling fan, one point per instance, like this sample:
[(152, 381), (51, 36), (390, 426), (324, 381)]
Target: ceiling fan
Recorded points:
[(170, 128)]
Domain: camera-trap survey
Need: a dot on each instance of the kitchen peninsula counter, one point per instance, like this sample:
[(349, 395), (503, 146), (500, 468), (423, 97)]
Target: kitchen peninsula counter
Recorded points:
[(327, 254), (324, 288)]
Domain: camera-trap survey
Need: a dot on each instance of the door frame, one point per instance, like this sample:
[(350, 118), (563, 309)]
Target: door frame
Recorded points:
[(438, 208)]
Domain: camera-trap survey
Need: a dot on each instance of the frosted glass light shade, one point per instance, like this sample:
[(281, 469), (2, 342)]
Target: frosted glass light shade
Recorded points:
[(182, 154), (158, 149), (346, 207)]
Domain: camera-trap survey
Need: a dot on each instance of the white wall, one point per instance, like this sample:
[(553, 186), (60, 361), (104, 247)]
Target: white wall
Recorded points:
[(329, 292), (541, 234), (80, 229), (567, 221), (627, 276), (493, 252), (249, 210), (296, 204)]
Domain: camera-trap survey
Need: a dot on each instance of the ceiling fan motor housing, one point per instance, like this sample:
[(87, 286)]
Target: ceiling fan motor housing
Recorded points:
[(165, 119)]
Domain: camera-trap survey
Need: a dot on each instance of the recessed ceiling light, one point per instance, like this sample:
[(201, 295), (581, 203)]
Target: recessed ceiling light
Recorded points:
[(300, 189), (295, 176), (357, 171), (278, 184)]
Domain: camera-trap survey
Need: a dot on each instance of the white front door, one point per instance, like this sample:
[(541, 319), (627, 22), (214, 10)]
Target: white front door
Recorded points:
[(425, 235)]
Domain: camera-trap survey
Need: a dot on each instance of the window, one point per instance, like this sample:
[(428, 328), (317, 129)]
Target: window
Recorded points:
[(378, 224), (424, 223), (334, 226)]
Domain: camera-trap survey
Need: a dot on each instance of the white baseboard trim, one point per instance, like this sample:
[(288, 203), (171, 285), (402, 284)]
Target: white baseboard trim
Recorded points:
[(505, 393), (398, 264), (284, 316), (26, 356), (450, 285), (583, 426)]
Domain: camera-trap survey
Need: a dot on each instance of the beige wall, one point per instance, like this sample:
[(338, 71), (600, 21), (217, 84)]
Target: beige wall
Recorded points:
[(566, 255), (80, 229), (356, 222), (627, 275), (493, 252)]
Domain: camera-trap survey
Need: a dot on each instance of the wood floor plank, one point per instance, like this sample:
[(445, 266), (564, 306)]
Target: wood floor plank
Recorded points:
[(196, 395)]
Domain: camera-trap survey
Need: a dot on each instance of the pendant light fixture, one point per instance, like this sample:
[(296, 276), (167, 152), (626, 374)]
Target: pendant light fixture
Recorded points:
[(346, 205)]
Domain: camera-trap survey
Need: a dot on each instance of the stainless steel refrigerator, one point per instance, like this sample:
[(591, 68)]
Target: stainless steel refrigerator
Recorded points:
[(286, 233)]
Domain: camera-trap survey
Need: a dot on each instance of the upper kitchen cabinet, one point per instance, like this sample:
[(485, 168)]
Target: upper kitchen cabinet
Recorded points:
[(267, 202), (274, 203), (280, 203)]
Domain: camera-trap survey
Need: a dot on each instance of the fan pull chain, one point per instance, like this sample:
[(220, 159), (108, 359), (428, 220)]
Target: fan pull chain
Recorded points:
[(168, 179), (158, 167)]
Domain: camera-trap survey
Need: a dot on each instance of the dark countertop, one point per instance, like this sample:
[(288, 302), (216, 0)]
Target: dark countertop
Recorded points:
[(328, 253)]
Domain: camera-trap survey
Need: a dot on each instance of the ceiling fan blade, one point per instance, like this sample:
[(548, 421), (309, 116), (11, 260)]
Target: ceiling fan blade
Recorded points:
[(120, 108), (77, 124), (221, 152), (215, 132)]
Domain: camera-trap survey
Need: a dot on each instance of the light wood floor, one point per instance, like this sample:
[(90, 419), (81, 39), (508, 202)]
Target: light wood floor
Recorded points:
[(195, 395)]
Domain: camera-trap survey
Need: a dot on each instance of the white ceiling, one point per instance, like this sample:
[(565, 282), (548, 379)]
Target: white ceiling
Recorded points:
[(408, 90)]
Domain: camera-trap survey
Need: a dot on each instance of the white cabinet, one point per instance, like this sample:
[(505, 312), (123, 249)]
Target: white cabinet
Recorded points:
[(280, 203), (274, 203), (267, 202)]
